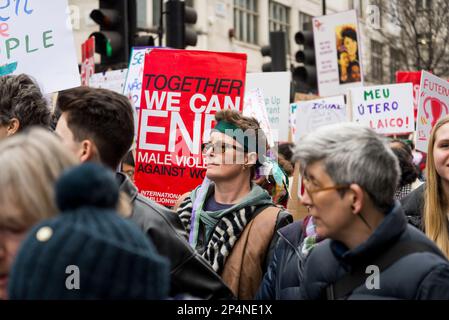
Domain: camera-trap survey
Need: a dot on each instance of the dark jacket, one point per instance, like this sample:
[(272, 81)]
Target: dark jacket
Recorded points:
[(413, 206), (284, 275), (190, 273), (420, 276)]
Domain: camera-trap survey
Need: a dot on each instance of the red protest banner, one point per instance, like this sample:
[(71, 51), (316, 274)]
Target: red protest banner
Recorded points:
[(415, 78), (181, 92), (88, 63)]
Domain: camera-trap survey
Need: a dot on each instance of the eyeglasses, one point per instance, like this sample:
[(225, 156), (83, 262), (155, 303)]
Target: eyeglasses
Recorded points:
[(219, 147), (312, 189)]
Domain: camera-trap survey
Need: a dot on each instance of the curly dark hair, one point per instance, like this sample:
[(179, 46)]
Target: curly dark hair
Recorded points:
[(22, 99), (101, 115), (403, 152), (286, 150)]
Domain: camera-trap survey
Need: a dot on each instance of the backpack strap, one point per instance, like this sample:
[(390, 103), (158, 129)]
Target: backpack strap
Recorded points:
[(181, 200), (346, 285)]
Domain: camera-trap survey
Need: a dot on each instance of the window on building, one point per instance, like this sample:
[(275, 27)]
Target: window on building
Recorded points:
[(141, 6), (245, 20), (355, 4), (157, 9), (279, 20), (156, 12), (395, 63), (304, 18), (376, 61)]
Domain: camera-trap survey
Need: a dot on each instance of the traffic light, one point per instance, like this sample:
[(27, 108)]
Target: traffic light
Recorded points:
[(180, 21), (277, 51), (305, 76), (112, 42)]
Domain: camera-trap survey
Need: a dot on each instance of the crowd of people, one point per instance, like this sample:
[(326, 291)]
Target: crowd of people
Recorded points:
[(74, 226)]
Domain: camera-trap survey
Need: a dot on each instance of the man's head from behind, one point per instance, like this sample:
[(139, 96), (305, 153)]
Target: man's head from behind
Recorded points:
[(22, 105), (350, 176), (96, 124)]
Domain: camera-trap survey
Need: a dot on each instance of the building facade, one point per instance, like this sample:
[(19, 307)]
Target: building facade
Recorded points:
[(243, 26)]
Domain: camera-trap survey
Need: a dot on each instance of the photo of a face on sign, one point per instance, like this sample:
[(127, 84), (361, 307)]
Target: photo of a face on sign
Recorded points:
[(347, 54)]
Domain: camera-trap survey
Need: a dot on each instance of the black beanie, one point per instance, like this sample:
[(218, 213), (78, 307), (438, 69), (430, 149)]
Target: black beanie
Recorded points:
[(113, 258)]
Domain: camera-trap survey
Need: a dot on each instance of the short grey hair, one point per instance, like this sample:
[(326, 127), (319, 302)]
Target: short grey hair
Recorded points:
[(353, 154)]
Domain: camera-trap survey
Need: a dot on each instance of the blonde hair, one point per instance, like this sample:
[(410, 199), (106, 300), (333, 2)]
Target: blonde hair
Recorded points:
[(30, 162), (435, 203)]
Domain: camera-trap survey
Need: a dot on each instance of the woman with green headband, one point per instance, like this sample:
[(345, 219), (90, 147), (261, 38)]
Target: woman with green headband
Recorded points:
[(230, 220)]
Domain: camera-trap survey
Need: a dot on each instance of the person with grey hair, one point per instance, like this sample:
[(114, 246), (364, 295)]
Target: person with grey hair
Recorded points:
[(350, 177), (22, 105)]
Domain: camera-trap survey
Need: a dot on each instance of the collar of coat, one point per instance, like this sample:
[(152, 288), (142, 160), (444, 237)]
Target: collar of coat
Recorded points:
[(387, 233)]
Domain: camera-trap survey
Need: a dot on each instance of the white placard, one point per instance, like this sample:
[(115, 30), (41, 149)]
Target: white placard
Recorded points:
[(111, 80), (255, 107), (338, 53), (313, 114), (276, 89), (133, 83), (386, 109), (36, 38), (433, 104)]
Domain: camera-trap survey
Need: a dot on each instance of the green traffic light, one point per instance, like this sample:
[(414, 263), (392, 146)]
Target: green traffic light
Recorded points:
[(108, 49)]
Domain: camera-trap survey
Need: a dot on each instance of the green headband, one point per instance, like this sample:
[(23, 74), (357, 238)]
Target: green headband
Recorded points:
[(250, 144), (230, 129)]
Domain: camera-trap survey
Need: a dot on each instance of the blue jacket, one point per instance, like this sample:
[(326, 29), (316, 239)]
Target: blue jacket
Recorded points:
[(421, 276), (284, 274)]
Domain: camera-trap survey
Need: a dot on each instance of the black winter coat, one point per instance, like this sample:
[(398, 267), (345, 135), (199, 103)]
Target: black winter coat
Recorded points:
[(284, 274), (413, 206), (189, 273), (417, 276)]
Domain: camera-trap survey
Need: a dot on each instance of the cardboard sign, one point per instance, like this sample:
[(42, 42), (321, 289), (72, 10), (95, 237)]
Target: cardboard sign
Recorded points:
[(433, 104), (111, 80), (385, 109), (177, 113), (338, 53), (255, 107), (36, 38), (313, 114), (413, 77), (276, 89)]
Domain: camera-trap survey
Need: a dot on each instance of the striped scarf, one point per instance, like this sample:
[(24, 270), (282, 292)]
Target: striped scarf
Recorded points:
[(225, 234)]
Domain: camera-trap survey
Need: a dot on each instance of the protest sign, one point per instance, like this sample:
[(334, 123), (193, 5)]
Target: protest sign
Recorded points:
[(313, 114), (177, 113), (111, 80), (433, 104), (276, 89), (254, 106), (36, 39), (87, 60), (413, 77), (292, 119), (338, 53), (133, 83), (293, 107), (386, 109)]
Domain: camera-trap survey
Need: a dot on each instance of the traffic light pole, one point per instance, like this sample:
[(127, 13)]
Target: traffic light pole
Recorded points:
[(161, 23)]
